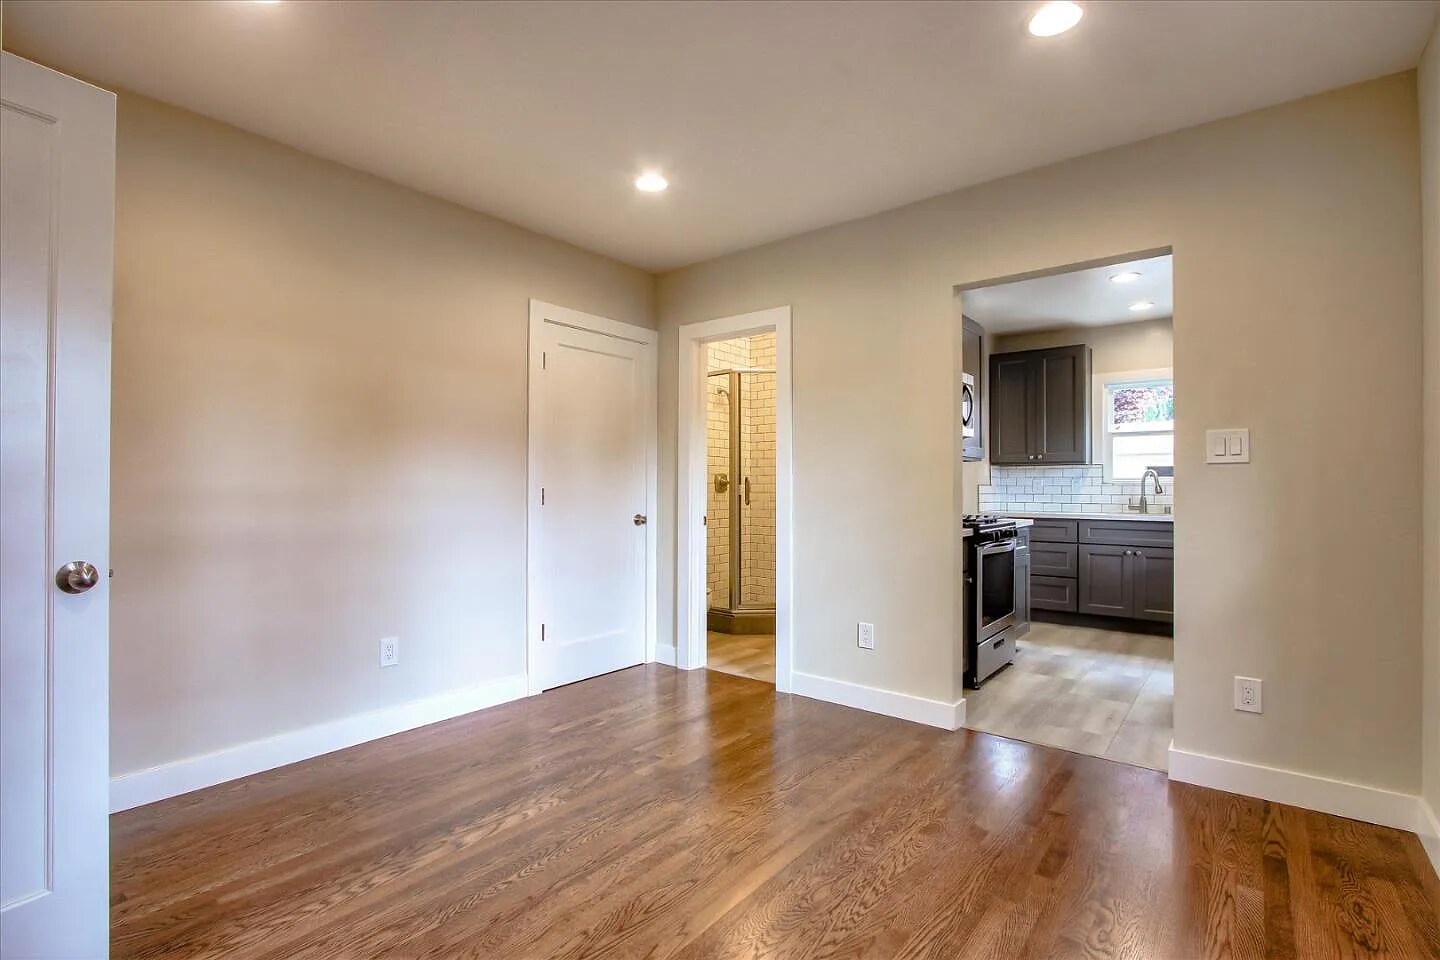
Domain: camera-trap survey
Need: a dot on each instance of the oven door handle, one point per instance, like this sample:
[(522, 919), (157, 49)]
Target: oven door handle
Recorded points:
[(998, 546)]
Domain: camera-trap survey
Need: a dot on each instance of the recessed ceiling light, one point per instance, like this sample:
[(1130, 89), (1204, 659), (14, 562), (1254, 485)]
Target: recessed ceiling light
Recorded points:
[(1129, 276), (651, 182), (1054, 18), (1139, 305)]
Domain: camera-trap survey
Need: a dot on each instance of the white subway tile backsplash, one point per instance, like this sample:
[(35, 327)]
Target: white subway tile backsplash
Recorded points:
[(1063, 490)]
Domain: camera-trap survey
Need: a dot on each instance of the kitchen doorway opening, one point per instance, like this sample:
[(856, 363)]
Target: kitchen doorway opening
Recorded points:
[(1068, 412), (734, 542)]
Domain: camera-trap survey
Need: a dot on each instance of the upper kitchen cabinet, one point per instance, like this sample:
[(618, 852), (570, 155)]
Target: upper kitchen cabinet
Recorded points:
[(972, 391), (1040, 406)]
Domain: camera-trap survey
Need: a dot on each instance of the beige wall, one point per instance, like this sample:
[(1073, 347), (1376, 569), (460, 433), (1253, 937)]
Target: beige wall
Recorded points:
[(1145, 345), (1430, 166), (319, 435), (1296, 234)]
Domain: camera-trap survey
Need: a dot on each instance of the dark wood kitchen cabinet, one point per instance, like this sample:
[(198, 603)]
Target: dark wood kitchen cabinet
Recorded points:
[(1154, 584), (1040, 406), (1102, 568), (1134, 582)]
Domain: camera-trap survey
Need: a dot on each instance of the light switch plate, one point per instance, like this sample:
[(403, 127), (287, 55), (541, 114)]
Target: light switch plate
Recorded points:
[(1231, 445)]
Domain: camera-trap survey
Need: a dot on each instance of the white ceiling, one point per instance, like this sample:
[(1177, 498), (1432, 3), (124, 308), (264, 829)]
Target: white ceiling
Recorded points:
[(1080, 298), (769, 118)]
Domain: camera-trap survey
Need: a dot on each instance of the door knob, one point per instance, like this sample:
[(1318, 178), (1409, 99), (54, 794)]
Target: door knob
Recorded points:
[(77, 576), (640, 519)]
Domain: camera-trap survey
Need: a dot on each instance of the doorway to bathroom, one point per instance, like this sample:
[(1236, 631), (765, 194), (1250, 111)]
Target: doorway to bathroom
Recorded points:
[(734, 543), (740, 459)]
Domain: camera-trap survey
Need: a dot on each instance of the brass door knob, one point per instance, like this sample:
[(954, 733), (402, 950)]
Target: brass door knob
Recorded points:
[(640, 519)]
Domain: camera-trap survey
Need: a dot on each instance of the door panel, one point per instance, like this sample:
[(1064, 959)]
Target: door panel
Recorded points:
[(1063, 421), (1154, 579), (1104, 581), (56, 230), (592, 464), (1010, 416)]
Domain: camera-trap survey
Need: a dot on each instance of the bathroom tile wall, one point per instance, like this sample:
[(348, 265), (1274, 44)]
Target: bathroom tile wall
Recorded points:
[(719, 356), (757, 451), (757, 582), (1063, 490)]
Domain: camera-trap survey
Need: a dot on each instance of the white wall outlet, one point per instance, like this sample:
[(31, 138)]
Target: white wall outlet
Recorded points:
[(389, 651), (1248, 694), (866, 636)]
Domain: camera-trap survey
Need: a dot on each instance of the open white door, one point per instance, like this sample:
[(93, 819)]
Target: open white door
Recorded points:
[(57, 198), (592, 420)]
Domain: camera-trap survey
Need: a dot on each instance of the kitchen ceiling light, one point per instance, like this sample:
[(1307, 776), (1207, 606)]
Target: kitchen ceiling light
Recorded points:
[(1054, 18), (651, 182), (1139, 305), (1129, 276)]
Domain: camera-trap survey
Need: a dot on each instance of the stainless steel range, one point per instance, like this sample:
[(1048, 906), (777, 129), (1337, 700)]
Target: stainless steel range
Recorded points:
[(989, 595)]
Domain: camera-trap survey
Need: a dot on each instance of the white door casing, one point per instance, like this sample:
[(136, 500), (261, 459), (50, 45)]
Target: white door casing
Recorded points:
[(690, 482), (591, 565), (57, 192)]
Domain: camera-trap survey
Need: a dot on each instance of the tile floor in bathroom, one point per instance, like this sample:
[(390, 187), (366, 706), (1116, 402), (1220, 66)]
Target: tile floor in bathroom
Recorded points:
[(1097, 692)]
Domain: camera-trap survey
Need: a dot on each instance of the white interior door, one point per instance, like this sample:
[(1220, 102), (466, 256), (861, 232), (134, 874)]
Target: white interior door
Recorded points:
[(57, 183), (591, 457)]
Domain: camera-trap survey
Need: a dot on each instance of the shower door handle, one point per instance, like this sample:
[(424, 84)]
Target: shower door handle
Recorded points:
[(747, 491)]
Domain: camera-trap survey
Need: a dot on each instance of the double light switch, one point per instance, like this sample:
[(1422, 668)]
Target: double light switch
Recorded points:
[(1227, 446)]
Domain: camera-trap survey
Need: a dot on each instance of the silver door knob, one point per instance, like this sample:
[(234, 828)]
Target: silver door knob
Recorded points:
[(77, 576), (640, 519)]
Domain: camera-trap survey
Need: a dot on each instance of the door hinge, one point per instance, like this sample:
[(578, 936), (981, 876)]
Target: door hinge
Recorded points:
[(543, 359), (542, 496), (542, 633)]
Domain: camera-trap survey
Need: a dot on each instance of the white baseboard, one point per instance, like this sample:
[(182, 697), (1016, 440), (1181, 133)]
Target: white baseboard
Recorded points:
[(193, 773), (665, 653), (1338, 797), (932, 713), (1429, 831)]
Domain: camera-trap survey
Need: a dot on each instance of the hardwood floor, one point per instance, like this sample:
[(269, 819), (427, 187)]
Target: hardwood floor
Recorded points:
[(742, 655), (1098, 692), (659, 813)]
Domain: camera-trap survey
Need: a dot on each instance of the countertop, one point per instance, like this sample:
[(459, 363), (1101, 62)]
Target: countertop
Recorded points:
[(1142, 517)]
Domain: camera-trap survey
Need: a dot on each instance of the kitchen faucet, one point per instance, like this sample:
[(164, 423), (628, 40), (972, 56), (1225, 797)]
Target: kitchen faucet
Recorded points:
[(1144, 497)]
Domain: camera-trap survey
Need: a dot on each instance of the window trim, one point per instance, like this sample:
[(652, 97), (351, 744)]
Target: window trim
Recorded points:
[(1099, 411)]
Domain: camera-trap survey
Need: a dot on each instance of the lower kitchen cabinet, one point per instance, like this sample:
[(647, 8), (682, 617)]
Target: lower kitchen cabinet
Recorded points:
[(1052, 593), (1105, 584), (1135, 582), (1154, 583)]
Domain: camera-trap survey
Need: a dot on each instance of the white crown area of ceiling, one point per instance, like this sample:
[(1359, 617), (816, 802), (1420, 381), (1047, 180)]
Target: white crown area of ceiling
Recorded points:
[(1078, 298), (768, 119)]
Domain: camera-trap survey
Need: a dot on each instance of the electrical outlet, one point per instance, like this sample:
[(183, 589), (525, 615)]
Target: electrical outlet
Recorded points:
[(867, 636), (389, 651), (1248, 694)]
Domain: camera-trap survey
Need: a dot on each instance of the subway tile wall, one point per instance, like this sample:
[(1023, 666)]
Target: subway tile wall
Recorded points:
[(757, 462), (1063, 490)]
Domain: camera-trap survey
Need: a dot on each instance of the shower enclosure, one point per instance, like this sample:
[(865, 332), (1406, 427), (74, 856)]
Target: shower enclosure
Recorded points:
[(740, 512)]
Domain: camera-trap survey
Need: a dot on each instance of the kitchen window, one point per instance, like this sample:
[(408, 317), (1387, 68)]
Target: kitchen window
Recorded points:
[(1137, 422)]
